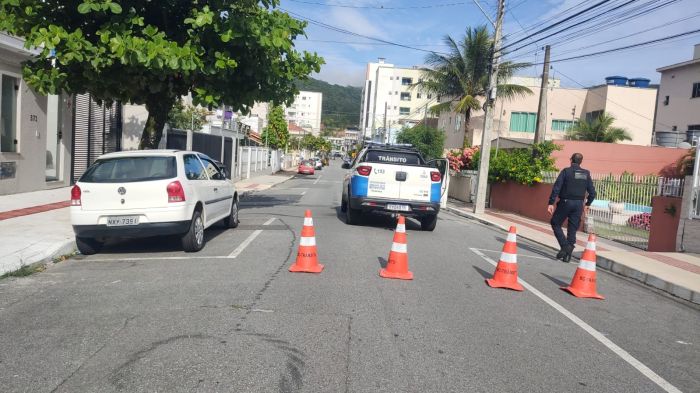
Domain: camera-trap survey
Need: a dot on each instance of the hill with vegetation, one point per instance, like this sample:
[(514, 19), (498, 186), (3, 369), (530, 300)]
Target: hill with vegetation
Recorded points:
[(341, 104)]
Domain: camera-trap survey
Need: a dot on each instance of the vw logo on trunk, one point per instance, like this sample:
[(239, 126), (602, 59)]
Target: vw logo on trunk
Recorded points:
[(121, 190)]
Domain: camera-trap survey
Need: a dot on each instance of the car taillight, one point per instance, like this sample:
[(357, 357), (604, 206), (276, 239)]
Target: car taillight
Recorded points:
[(435, 176), (175, 192), (75, 194), (364, 170)]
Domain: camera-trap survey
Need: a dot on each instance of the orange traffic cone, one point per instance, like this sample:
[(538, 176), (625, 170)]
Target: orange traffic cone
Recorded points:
[(397, 265), (506, 274), (583, 283), (307, 258)]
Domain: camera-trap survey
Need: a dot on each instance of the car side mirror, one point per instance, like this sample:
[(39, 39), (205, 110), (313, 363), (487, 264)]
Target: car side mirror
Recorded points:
[(224, 175), (346, 165)]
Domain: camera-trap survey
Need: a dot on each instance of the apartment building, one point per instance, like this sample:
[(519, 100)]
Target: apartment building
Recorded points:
[(389, 98), (305, 111), (631, 103), (678, 105)]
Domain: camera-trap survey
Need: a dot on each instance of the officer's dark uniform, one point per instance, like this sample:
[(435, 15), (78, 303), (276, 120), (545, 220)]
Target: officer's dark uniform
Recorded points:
[(571, 187)]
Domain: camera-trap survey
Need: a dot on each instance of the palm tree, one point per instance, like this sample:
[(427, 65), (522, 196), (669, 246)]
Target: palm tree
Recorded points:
[(462, 75), (599, 129)]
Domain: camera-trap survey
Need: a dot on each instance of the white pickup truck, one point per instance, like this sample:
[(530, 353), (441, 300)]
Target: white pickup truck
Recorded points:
[(393, 179)]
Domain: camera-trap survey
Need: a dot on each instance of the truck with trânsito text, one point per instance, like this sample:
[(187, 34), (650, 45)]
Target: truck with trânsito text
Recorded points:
[(393, 179)]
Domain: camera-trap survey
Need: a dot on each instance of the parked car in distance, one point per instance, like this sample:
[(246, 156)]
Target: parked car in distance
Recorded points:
[(151, 193), (306, 167)]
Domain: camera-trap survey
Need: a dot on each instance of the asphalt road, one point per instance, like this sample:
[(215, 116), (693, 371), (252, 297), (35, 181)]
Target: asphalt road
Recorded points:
[(143, 316)]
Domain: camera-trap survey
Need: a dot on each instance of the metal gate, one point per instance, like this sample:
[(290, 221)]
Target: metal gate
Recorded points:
[(97, 129)]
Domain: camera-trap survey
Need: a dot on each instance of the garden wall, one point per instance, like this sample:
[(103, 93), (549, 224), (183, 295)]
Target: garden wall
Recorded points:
[(460, 187), (665, 217)]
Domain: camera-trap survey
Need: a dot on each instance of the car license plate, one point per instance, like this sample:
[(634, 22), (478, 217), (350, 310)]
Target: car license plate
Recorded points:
[(118, 221), (401, 208)]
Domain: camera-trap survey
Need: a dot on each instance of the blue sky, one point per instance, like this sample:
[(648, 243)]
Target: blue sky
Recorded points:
[(425, 27)]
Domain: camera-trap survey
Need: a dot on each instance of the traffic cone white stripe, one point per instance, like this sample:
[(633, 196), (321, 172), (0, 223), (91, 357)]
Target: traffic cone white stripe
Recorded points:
[(511, 237), (509, 258), (308, 222), (398, 247), (590, 246), (307, 241), (587, 265), (401, 228)]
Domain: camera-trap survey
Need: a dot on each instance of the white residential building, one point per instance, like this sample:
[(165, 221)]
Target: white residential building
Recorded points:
[(389, 89), (678, 105), (305, 111)]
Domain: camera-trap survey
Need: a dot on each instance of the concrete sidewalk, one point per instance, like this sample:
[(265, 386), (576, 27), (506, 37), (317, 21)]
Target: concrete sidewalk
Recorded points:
[(674, 273), (35, 226)]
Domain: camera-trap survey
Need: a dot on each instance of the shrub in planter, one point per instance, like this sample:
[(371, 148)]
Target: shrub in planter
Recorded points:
[(460, 159)]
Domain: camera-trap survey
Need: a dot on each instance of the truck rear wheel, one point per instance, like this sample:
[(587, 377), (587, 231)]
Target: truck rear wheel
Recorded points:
[(352, 216), (428, 223)]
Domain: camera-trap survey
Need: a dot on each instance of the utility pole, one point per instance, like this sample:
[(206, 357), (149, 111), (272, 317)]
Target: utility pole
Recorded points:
[(542, 109), (425, 115), (386, 106), (483, 177)]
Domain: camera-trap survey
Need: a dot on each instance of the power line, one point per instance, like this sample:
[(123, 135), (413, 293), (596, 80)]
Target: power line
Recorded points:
[(368, 43), (344, 31), (373, 7), (551, 18), (557, 23)]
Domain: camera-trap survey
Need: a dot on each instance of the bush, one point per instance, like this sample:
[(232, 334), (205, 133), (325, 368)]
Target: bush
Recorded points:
[(461, 159), (640, 221), (523, 166)]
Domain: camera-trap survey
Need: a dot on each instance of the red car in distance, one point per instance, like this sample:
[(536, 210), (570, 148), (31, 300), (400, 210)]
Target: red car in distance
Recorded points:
[(306, 167)]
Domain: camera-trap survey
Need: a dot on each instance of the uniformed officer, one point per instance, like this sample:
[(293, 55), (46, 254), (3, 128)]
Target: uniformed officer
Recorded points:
[(571, 187)]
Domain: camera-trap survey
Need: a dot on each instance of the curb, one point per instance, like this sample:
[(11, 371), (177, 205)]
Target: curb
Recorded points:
[(64, 248), (607, 264)]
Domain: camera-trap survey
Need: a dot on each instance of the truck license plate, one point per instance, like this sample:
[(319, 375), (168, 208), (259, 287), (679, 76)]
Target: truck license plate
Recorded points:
[(118, 221), (401, 208)]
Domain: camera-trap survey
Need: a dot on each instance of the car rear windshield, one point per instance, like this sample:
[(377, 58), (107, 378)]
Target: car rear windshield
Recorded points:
[(130, 169), (307, 163), (393, 157)]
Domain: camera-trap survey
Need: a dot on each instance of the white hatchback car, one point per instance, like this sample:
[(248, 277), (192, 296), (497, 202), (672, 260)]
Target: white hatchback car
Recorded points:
[(151, 193)]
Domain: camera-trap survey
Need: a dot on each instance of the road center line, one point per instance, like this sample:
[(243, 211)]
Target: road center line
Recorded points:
[(646, 371), (249, 240), (319, 178)]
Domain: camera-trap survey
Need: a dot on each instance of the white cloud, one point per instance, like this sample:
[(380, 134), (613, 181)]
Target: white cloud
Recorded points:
[(341, 71)]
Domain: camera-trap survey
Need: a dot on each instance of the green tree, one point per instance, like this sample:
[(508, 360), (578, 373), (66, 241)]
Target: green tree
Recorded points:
[(232, 52), (599, 129), (276, 133), (429, 141), (185, 117), (461, 77)]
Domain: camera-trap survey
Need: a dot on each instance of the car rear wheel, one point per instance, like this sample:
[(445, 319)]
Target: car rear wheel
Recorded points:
[(193, 240), (428, 223), (343, 205), (88, 246), (232, 220)]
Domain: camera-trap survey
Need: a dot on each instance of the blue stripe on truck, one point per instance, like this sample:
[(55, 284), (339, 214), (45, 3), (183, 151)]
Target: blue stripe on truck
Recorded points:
[(359, 185), (435, 192)]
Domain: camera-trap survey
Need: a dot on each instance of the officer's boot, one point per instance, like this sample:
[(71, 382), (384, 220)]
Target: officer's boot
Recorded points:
[(561, 252), (569, 249)]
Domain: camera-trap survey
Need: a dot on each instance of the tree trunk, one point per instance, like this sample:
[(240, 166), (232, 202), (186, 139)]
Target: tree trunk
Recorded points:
[(158, 109)]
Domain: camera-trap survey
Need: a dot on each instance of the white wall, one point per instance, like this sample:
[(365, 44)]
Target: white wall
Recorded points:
[(306, 110), (682, 110)]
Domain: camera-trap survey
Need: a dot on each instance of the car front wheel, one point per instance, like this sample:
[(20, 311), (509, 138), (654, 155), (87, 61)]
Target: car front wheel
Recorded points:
[(193, 240), (88, 246)]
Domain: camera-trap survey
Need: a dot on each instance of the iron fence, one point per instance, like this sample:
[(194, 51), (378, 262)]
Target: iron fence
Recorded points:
[(622, 208)]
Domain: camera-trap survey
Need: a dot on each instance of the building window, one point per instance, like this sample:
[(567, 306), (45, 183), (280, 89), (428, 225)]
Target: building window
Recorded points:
[(303, 98), (8, 113), (430, 96), (523, 121), (406, 81), (418, 95), (404, 111), (561, 125), (696, 90), (389, 93), (590, 116), (666, 100), (694, 127), (394, 108), (396, 93), (458, 122), (405, 96), (674, 128)]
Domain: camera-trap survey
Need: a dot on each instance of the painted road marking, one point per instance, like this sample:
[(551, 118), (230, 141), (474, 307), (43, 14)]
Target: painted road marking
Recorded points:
[(519, 255), (303, 193), (319, 178), (646, 371), (249, 240)]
